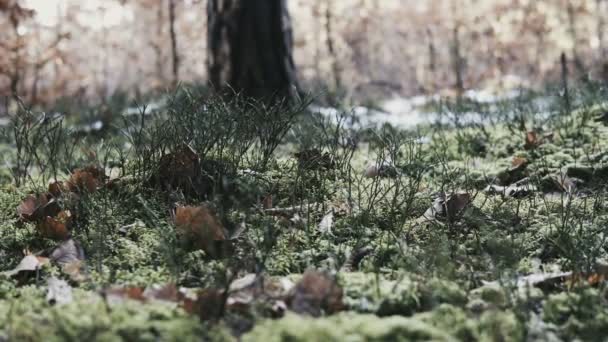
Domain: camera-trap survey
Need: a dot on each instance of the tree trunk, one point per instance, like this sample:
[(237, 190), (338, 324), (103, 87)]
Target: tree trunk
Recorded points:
[(250, 48), (174, 55)]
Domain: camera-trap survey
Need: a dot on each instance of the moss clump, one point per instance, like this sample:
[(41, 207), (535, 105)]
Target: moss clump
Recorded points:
[(345, 327), (406, 295), (581, 314), (29, 317)]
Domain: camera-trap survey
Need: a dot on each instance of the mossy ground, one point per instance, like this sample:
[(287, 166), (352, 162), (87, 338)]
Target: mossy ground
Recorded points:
[(449, 278)]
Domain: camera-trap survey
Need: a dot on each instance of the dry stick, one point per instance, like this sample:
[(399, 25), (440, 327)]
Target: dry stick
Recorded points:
[(566, 94)]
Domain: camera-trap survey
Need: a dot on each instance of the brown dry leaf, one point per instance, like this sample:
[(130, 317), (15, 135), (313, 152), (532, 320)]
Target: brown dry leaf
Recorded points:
[(532, 140), (36, 207), (314, 159), (117, 295), (167, 293), (519, 162), (88, 180), (210, 304), (56, 189), (316, 293), (179, 170), (56, 228), (29, 263), (202, 227)]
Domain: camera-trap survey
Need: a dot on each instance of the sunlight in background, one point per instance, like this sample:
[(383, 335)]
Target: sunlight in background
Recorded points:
[(95, 14)]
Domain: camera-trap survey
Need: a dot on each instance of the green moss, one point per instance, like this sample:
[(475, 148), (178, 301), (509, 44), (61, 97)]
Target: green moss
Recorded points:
[(29, 317), (405, 295), (345, 327)]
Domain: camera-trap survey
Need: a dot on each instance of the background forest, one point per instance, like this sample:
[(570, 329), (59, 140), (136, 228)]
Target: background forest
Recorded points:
[(364, 48)]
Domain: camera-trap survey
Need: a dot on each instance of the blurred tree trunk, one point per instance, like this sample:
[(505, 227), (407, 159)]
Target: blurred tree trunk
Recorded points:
[(174, 55), (250, 48)]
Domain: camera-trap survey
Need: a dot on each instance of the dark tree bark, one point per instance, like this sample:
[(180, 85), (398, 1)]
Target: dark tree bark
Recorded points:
[(250, 48)]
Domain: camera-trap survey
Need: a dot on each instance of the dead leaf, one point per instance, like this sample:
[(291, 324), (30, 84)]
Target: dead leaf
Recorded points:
[(200, 226), (165, 293), (29, 263), (56, 228), (179, 170), (56, 189), (316, 293), (58, 292), (314, 159), (532, 140), (36, 207), (87, 180), (118, 295), (519, 162), (210, 304)]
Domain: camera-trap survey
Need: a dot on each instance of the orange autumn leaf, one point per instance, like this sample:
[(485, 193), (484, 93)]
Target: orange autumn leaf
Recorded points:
[(200, 226)]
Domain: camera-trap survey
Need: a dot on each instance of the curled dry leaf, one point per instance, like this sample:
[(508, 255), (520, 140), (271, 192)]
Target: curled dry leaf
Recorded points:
[(117, 295), (532, 140), (179, 170), (316, 293), (201, 227), (87, 179), (56, 228), (56, 189), (36, 207)]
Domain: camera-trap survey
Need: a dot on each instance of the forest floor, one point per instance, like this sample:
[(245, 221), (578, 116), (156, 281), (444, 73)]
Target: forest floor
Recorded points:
[(204, 220)]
